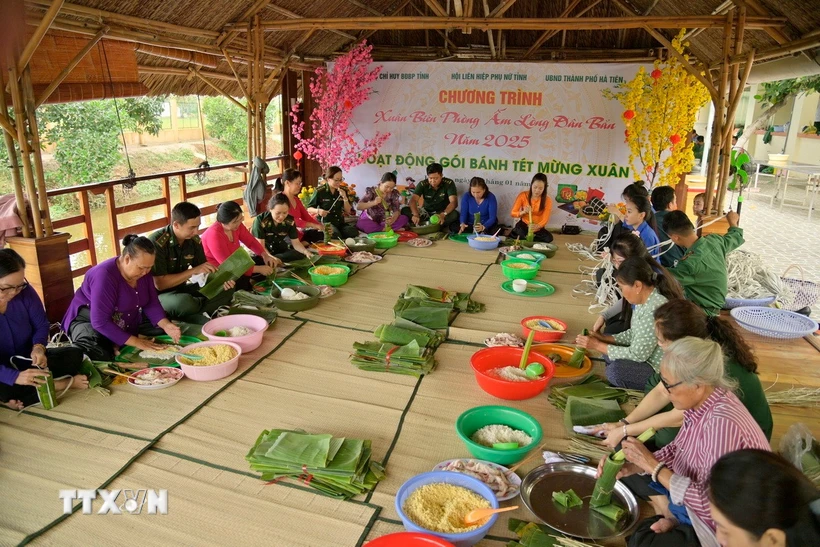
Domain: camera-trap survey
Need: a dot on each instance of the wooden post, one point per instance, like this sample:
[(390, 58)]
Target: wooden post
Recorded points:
[(88, 227), (111, 209), (166, 194), (34, 131), (288, 94), (311, 170), (25, 148), (15, 165), (48, 270), (183, 188)]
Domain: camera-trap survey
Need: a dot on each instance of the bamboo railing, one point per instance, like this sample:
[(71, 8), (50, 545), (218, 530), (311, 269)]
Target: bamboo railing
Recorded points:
[(113, 210)]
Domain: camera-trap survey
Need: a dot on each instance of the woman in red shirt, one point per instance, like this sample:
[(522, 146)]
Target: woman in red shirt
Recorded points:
[(222, 238), (310, 230)]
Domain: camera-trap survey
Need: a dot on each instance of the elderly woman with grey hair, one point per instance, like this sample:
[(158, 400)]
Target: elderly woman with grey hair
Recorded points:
[(675, 478)]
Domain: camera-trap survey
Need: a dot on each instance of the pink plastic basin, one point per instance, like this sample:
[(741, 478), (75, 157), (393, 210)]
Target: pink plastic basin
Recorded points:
[(213, 372), (490, 358), (408, 539), (249, 342)]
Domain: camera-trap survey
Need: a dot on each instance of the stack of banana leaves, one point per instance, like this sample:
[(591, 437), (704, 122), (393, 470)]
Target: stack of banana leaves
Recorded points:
[(433, 308), (591, 388), (336, 466), (402, 331), (411, 358)]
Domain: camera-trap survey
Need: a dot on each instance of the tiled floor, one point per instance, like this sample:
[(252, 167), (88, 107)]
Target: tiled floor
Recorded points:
[(784, 237)]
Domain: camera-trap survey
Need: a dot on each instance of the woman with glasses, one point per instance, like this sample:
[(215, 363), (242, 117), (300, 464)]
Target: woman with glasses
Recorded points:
[(222, 239), (330, 203), (633, 356), (675, 478), (290, 184), (116, 302), (675, 320), (23, 338)]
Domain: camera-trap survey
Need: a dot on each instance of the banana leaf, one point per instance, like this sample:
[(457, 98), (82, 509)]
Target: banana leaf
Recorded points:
[(335, 466), (581, 411), (460, 301), (611, 511), (400, 335), (591, 388), (427, 313), (530, 534), (605, 485), (410, 359), (577, 358), (244, 302), (568, 499), (231, 269)]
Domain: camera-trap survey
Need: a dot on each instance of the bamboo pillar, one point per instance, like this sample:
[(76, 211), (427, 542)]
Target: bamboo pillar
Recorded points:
[(34, 131), (251, 73), (15, 165), (715, 166), (288, 94), (25, 147), (735, 91)]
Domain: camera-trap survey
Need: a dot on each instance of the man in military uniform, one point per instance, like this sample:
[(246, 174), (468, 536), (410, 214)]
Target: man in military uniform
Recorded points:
[(702, 269), (179, 257), (440, 198)]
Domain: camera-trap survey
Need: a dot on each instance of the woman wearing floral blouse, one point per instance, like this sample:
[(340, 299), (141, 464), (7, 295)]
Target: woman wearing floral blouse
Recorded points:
[(380, 207)]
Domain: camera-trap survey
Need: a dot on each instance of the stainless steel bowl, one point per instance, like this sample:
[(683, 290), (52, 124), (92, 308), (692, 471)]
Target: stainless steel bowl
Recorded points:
[(539, 484)]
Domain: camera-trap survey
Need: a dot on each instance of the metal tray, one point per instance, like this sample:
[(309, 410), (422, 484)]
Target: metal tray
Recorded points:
[(581, 522)]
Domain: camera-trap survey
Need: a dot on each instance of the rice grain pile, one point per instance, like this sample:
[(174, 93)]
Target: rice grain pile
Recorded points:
[(510, 373), (519, 266), (211, 355), (237, 331), (328, 270), (496, 433), (441, 507), (535, 324)]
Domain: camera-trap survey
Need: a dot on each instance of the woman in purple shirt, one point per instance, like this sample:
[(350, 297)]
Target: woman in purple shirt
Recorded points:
[(115, 300), (380, 207), (23, 338)]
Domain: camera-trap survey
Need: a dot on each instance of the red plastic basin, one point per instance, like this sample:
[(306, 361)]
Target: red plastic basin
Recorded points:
[(408, 539), (490, 358), (542, 336)]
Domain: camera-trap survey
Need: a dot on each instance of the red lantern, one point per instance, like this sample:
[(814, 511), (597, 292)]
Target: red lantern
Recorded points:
[(656, 74), (674, 139), (348, 104), (297, 155), (629, 114)]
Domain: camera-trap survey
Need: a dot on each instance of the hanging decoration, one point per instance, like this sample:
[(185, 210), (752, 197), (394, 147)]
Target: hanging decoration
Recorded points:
[(337, 92), (298, 157), (660, 106)]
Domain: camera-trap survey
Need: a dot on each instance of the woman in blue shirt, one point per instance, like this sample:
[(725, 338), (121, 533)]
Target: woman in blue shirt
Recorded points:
[(478, 200), (639, 218)]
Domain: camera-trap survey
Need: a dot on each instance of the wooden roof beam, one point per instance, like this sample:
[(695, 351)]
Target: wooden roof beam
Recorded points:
[(290, 15), (547, 34), (69, 67), (557, 23), (106, 16), (225, 38), (365, 7), (174, 71), (795, 46), (489, 32), (502, 8), (436, 8), (216, 88), (5, 123), (236, 75), (39, 33)]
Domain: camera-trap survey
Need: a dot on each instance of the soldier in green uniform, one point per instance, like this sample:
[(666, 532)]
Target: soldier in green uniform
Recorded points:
[(702, 270), (276, 231), (330, 204), (440, 198), (180, 256)]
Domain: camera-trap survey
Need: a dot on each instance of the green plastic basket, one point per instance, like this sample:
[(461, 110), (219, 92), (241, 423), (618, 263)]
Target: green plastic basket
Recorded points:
[(515, 273), (384, 242), (334, 280)]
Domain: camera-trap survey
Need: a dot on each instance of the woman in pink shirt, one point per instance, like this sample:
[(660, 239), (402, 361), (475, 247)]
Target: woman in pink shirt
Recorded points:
[(310, 229), (222, 238), (715, 423)]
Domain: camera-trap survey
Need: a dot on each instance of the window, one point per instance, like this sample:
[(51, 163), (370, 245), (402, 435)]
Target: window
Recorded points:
[(187, 112)]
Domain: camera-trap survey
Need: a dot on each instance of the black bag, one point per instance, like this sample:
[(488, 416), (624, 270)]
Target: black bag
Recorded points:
[(570, 229)]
